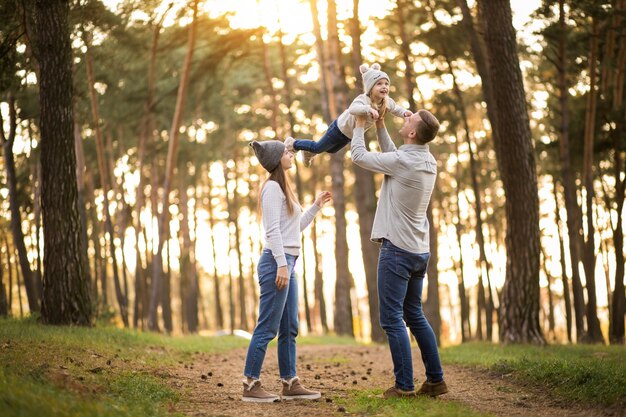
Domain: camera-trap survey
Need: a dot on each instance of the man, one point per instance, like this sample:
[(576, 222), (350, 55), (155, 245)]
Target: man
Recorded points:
[(401, 226)]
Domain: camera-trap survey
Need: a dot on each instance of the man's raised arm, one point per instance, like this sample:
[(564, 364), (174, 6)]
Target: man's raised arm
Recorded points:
[(384, 140), (377, 162)]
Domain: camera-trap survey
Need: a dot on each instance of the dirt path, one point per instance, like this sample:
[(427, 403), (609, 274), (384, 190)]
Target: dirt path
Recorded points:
[(213, 383)]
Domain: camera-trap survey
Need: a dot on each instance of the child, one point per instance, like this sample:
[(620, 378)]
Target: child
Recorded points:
[(375, 102)]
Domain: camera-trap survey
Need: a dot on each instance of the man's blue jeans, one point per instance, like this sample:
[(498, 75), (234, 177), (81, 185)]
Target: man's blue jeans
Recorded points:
[(400, 282), (278, 314), (332, 141)]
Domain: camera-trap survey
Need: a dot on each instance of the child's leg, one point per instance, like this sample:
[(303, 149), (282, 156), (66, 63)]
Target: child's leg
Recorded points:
[(331, 142)]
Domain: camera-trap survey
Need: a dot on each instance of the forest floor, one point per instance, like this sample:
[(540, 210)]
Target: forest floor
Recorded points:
[(61, 371), (352, 379)]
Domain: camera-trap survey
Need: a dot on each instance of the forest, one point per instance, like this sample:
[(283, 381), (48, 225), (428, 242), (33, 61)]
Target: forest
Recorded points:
[(129, 194)]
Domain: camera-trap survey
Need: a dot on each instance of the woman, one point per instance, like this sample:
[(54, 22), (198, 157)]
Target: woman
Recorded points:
[(283, 221)]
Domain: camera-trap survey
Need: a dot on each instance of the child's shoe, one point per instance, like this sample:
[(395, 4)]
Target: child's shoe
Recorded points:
[(289, 141), (307, 158)]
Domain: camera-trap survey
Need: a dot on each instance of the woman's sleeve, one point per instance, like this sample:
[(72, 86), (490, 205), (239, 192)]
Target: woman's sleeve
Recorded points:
[(308, 216)]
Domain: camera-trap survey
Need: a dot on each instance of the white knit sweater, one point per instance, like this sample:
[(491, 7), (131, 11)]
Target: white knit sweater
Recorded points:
[(360, 107), (282, 231)]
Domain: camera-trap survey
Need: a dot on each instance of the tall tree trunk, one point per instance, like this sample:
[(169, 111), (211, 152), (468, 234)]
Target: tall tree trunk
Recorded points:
[(519, 318), (574, 215), (323, 64), (37, 212), (4, 307), (166, 294), (432, 304), (365, 200), (80, 185), (219, 315), (405, 50), (564, 277), (146, 133), (343, 320), (10, 272), (99, 273), (172, 153), (19, 286), (32, 293), (105, 175), (589, 258), (232, 206), (65, 287), (551, 333), (320, 302), (485, 303), (618, 302), (466, 330), (188, 285), (299, 186)]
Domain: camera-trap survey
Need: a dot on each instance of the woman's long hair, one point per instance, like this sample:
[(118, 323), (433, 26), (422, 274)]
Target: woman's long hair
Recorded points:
[(278, 175)]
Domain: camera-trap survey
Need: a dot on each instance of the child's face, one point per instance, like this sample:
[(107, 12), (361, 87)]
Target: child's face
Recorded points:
[(380, 90)]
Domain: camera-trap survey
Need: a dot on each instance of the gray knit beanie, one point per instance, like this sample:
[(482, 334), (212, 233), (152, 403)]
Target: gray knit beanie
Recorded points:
[(371, 76), (268, 153)]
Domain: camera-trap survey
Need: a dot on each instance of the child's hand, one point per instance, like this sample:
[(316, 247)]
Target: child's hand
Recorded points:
[(374, 113), (408, 113), (323, 198)]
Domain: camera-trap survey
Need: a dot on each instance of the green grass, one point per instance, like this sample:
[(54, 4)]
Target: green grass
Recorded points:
[(371, 403), (593, 375)]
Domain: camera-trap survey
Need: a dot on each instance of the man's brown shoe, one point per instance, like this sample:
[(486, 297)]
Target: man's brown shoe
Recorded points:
[(394, 392), (254, 393), (433, 389), (293, 390)]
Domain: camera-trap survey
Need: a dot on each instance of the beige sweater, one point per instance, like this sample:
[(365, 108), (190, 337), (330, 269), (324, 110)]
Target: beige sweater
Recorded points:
[(409, 180), (360, 107)]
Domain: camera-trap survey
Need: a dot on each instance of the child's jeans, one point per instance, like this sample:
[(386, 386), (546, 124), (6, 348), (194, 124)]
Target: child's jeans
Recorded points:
[(332, 141)]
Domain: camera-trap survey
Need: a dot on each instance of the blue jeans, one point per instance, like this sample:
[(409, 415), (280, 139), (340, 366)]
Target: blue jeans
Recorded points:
[(278, 314), (400, 281), (332, 141)]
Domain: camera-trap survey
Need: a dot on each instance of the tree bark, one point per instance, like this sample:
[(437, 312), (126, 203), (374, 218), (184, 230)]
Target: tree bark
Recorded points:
[(188, 285), (432, 305), (485, 302), (589, 258), (519, 318), (618, 302), (405, 50), (320, 301), (66, 297), (32, 292), (172, 153), (574, 215), (343, 320), (4, 307), (232, 206), (219, 315), (105, 176), (564, 277), (365, 200)]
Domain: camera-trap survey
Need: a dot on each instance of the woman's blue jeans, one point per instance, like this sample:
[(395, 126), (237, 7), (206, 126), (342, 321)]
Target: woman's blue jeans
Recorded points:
[(332, 141), (278, 314), (400, 282)]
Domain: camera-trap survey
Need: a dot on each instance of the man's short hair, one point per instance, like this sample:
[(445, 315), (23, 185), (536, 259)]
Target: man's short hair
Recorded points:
[(427, 130)]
